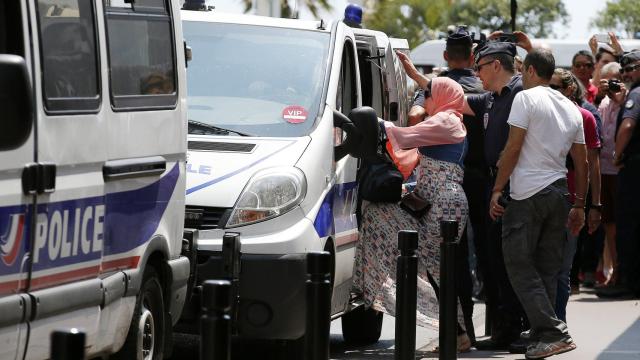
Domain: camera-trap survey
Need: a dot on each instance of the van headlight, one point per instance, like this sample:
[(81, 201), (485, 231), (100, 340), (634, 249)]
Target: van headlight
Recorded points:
[(270, 193)]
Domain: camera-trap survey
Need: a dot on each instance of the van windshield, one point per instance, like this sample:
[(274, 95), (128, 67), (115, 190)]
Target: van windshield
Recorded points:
[(258, 81)]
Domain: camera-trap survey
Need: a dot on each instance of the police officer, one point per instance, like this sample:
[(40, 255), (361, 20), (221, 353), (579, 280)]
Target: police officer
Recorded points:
[(494, 64), (459, 58), (627, 157)]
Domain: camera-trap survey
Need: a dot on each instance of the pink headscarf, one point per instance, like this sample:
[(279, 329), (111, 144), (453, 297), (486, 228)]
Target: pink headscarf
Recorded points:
[(444, 126)]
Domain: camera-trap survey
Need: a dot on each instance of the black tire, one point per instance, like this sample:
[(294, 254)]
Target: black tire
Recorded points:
[(362, 326), (145, 340)]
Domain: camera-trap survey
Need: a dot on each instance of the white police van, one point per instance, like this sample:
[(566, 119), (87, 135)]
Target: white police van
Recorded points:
[(92, 175), (268, 149)]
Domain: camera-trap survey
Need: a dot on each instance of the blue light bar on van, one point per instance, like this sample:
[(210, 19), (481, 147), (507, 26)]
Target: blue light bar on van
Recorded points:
[(353, 15)]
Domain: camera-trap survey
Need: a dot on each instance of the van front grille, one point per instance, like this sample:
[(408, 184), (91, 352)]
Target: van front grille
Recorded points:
[(205, 217)]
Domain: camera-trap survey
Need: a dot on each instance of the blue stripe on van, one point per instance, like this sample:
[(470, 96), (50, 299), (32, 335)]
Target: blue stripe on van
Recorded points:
[(335, 214), (234, 173)]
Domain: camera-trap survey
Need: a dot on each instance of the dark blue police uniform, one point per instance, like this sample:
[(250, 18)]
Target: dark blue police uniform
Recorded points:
[(628, 198)]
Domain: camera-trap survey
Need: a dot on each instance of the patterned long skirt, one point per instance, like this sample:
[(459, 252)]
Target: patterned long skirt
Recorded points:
[(440, 183)]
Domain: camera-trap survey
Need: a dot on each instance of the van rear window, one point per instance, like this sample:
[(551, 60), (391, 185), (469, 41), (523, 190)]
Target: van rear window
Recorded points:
[(69, 55), (256, 80)]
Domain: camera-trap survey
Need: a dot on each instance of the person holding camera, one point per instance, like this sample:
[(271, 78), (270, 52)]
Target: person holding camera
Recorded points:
[(627, 158), (534, 222), (615, 91)]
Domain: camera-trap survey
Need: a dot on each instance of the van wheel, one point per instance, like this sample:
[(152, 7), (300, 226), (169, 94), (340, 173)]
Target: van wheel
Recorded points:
[(362, 326), (145, 340)]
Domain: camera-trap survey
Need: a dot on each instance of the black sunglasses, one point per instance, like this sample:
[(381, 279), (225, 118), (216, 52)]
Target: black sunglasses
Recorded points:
[(556, 87), (477, 67), (630, 68)]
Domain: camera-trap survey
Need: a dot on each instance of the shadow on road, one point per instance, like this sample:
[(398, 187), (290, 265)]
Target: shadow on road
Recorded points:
[(624, 347)]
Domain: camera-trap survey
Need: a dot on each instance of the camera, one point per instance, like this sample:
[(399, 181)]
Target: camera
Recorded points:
[(614, 85), (508, 37)]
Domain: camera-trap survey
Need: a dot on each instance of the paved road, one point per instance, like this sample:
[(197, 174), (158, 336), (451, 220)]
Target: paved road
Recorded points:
[(603, 330)]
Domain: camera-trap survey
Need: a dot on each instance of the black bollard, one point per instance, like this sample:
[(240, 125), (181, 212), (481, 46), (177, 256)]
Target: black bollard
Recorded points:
[(231, 254), (67, 345), (318, 306), (215, 321), (448, 298), (406, 295)]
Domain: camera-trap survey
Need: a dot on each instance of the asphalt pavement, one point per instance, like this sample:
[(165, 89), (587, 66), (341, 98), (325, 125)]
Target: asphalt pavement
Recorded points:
[(602, 330)]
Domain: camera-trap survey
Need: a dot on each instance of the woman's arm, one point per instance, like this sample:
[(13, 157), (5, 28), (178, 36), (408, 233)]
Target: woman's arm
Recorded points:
[(442, 128)]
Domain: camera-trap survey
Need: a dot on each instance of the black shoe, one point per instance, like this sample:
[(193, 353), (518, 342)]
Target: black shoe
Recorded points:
[(492, 345), (615, 291), (520, 346)]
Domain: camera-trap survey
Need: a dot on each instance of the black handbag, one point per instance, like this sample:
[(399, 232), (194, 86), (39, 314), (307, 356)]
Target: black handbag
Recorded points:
[(379, 179), (415, 205)]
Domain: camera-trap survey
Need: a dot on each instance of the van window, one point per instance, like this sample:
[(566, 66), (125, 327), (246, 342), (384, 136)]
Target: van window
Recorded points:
[(141, 55), (370, 80), (11, 41), (258, 80), (347, 88), (69, 56)]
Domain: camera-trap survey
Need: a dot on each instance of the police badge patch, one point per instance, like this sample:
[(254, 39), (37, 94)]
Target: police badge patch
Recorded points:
[(629, 104)]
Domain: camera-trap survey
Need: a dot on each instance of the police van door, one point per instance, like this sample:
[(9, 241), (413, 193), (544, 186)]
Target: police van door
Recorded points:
[(16, 153), (71, 130), (345, 195)]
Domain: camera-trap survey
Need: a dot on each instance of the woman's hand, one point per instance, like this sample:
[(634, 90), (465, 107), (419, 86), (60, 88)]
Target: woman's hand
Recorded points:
[(411, 70), (495, 210), (594, 220), (615, 44), (593, 45), (575, 222)]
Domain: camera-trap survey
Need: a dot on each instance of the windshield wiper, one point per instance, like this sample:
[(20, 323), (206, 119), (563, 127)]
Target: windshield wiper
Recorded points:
[(215, 129)]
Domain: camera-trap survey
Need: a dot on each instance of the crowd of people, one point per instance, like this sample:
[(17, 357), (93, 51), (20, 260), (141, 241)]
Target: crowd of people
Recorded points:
[(539, 165)]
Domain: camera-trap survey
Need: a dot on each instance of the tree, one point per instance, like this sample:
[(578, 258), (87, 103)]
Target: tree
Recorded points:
[(622, 15), (535, 17), (286, 11), (414, 20)]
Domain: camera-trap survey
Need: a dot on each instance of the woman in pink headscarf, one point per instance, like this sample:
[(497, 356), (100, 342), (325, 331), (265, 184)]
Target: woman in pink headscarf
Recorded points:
[(440, 141)]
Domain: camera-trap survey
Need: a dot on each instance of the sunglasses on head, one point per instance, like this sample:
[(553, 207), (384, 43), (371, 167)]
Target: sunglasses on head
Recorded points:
[(630, 68), (583, 65), (556, 87)]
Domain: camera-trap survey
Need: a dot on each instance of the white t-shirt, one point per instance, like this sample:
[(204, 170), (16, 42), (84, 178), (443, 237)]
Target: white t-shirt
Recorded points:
[(553, 124)]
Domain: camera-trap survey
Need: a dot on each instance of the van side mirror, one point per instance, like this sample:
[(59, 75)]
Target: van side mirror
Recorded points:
[(366, 121), (15, 102), (393, 111), (351, 141)]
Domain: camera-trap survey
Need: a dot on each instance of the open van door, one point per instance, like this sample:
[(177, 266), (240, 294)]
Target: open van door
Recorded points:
[(16, 154)]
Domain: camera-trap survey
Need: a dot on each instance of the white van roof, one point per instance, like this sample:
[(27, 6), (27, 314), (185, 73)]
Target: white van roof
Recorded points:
[(381, 38), (429, 53), (219, 17)]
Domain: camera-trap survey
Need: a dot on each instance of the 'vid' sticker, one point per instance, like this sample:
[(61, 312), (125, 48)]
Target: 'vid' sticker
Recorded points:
[(295, 114)]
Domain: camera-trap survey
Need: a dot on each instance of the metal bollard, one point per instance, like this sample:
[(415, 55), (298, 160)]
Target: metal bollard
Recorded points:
[(406, 295), (67, 345), (215, 321), (318, 317), (448, 298), (231, 254)]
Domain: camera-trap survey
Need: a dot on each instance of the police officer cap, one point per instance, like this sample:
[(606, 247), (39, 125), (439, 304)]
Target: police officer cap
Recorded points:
[(495, 47), (459, 37), (630, 57)]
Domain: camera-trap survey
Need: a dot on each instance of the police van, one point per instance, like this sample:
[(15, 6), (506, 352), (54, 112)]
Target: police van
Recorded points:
[(272, 156), (92, 175)]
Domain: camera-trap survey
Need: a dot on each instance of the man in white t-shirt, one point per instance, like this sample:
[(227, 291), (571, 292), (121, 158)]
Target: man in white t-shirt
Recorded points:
[(544, 127)]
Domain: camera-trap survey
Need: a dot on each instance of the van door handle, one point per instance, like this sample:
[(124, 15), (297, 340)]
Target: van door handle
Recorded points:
[(134, 168)]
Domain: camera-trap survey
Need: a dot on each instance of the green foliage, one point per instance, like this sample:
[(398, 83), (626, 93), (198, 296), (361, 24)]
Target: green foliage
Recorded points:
[(286, 10), (420, 20), (621, 15), (534, 17), (410, 19)]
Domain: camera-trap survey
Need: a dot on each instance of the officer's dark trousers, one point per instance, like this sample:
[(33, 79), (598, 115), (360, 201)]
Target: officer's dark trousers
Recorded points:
[(628, 224), (474, 185), (507, 316)]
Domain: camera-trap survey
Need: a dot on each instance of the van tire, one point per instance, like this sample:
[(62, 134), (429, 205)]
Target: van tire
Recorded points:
[(362, 326), (145, 340)]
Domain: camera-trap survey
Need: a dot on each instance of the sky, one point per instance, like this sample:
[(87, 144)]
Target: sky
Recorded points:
[(581, 12)]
